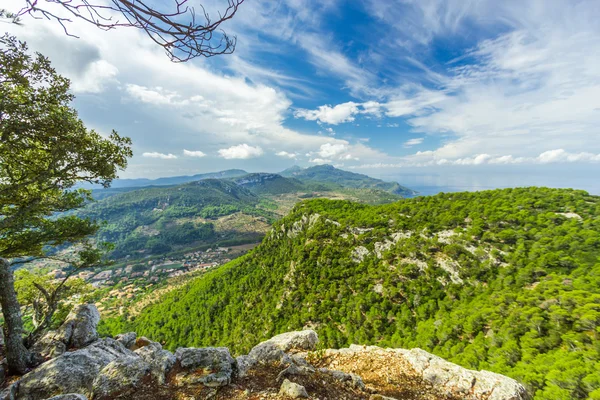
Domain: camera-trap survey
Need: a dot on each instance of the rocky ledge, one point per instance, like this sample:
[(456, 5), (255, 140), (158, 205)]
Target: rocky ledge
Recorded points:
[(79, 365)]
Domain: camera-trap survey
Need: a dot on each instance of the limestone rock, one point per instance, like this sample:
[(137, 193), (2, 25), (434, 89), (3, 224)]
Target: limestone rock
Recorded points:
[(453, 379), (244, 364), (72, 372), (292, 390), (69, 396), (341, 376), (276, 349), (127, 339), (296, 341), (50, 345), (211, 366), (268, 352), (160, 361), (79, 329), (121, 377)]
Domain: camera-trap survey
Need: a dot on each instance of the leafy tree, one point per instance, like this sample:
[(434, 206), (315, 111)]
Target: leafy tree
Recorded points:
[(45, 150)]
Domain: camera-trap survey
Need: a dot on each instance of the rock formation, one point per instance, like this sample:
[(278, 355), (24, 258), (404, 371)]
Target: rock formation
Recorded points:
[(82, 366)]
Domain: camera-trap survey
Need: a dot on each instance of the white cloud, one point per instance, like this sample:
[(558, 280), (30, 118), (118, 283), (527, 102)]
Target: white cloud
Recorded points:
[(285, 154), (330, 115), (328, 150), (413, 142), (241, 151), (162, 156), (320, 161), (194, 153), (340, 113)]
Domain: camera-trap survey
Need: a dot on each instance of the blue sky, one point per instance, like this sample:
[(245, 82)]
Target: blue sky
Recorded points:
[(378, 87)]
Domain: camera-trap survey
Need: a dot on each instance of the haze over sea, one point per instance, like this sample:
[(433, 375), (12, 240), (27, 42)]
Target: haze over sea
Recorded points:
[(455, 179)]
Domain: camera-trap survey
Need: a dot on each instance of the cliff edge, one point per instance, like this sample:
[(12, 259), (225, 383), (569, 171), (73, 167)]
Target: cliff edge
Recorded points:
[(79, 365)]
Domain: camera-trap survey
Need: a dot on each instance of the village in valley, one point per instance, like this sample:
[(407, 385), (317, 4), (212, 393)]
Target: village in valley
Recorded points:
[(118, 287)]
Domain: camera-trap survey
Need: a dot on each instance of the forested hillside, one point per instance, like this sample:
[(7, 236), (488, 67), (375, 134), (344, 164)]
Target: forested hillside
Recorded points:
[(506, 280), (155, 220), (332, 175)]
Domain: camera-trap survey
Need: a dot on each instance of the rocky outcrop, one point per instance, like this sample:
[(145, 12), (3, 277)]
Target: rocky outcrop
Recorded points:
[(160, 361), (211, 366), (72, 372), (78, 330), (278, 349), (122, 376), (443, 378), (283, 367)]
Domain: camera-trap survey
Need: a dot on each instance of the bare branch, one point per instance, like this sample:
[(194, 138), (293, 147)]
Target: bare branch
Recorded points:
[(181, 40)]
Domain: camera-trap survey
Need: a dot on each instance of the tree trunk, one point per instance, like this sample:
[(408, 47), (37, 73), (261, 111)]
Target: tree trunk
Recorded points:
[(17, 355)]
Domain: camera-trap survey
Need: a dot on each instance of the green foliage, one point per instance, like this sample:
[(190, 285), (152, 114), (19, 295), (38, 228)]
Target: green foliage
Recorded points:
[(31, 285), (498, 280), (148, 219), (44, 151)]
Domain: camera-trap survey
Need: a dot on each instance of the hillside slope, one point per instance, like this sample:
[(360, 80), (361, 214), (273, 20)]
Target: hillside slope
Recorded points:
[(153, 220), (505, 280)]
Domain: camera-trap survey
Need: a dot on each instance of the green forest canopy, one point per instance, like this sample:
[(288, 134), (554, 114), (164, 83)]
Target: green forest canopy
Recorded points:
[(505, 280)]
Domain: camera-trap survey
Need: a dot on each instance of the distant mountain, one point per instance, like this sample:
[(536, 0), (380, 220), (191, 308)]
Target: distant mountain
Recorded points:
[(176, 180), (158, 219), (266, 183), (330, 174)]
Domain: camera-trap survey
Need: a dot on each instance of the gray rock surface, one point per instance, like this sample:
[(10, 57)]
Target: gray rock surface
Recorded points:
[(448, 378), (295, 341), (72, 372), (120, 376), (160, 361), (127, 339), (69, 396), (292, 390), (211, 366), (277, 348), (454, 379), (79, 329), (50, 345)]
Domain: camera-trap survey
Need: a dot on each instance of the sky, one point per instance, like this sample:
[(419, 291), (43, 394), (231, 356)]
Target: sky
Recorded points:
[(387, 88)]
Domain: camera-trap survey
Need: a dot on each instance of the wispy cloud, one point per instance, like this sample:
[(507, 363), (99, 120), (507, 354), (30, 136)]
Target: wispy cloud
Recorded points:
[(413, 142), (162, 156)]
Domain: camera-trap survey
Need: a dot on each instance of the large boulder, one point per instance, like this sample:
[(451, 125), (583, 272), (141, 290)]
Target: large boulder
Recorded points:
[(121, 377), (72, 372), (160, 361), (455, 380), (295, 341), (424, 370), (293, 390), (79, 329), (211, 366), (276, 349)]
